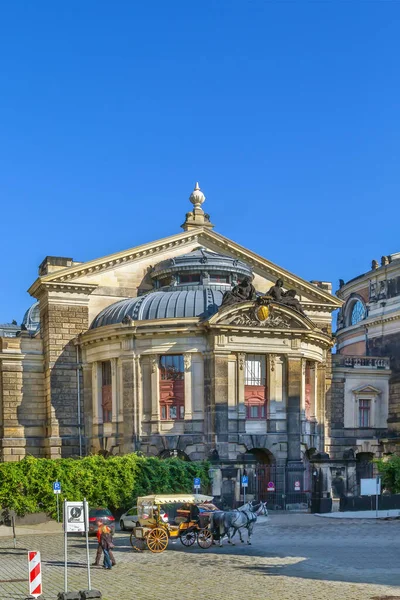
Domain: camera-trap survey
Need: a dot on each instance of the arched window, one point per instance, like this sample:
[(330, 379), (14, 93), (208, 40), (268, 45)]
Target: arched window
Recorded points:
[(358, 313)]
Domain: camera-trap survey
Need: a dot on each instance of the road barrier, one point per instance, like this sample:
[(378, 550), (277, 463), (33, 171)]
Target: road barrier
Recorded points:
[(35, 574)]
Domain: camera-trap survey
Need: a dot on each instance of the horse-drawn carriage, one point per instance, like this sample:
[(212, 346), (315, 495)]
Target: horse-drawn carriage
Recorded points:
[(190, 524)]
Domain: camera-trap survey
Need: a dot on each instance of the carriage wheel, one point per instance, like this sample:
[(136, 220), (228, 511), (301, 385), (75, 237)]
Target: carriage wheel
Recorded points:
[(138, 544), (188, 537), (157, 540), (204, 538)]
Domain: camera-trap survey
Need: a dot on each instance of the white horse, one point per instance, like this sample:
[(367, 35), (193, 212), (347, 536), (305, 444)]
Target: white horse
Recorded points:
[(228, 523)]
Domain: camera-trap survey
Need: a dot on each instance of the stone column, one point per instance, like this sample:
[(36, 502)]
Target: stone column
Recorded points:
[(87, 407), (232, 396), (241, 362), (320, 404), (114, 390), (197, 372), (155, 394), (128, 385), (220, 401), (295, 464), (187, 361)]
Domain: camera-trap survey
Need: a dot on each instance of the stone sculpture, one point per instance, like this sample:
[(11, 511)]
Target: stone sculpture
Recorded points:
[(287, 298), (243, 292)]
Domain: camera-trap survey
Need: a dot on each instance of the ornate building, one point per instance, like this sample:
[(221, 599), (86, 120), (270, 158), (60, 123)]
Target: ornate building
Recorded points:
[(191, 345), (366, 380)]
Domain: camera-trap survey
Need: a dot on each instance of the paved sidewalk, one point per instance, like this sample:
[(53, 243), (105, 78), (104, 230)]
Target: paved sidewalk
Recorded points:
[(293, 557), (362, 514)]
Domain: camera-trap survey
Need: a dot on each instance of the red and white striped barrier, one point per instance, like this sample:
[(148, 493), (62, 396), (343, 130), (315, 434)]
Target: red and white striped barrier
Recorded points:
[(35, 574)]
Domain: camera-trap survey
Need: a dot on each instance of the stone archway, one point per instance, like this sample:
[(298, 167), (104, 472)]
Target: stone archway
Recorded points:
[(261, 469), (173, 454)]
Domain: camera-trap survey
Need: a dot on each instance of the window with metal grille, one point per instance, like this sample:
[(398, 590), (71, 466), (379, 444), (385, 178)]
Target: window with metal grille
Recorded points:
[(364, 413), (254, 369), (172, 390), (255, 391), (106, 391)]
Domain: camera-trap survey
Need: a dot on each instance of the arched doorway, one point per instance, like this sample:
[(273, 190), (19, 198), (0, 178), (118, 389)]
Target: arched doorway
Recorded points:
[(261, 469)]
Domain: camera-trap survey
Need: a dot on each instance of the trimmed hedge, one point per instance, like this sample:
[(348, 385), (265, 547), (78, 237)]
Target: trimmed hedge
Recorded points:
[(115, 482)]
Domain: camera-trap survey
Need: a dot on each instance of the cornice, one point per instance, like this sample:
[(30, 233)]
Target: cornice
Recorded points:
[(258, 261), (41, 286), (120, 258), (199, 235)]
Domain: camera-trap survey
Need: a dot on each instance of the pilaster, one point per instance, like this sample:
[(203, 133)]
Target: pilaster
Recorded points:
[(155, 394), (187, 361)]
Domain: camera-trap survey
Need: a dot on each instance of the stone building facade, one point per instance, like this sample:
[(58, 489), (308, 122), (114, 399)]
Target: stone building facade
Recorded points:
[(135, 352), (366, 368)]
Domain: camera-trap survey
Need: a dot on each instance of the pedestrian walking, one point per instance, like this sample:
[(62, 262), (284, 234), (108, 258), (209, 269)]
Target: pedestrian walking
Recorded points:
[(107, 545), (99, 547)]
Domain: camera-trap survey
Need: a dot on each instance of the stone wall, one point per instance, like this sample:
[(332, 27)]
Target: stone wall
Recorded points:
[(22, 409), (60, 324)]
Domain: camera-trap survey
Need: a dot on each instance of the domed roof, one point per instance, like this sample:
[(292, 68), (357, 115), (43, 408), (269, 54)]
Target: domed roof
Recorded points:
[(202, 302), (31, 318), (201, 260)]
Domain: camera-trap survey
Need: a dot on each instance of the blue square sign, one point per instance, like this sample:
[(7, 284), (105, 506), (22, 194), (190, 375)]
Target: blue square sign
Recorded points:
[(245, 481), (197, 482), (57, 487)]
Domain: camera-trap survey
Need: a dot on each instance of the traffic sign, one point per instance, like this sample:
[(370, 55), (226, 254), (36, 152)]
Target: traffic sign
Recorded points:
[(196, 482), (271, 486), (57, 487), (245, 481), (297, 486), (74, 517)]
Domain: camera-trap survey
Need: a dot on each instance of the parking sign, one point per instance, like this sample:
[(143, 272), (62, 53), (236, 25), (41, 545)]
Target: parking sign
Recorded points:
[(245, 481), (57, 487), (196, 482)]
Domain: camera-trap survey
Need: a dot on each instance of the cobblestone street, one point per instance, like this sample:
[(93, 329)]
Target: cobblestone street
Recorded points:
[(292, 556)]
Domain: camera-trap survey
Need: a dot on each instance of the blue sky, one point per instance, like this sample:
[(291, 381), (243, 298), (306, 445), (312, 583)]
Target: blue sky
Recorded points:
[(286, 112)]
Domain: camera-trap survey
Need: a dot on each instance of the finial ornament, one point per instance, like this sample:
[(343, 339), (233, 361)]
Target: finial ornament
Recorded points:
[(197, 197)]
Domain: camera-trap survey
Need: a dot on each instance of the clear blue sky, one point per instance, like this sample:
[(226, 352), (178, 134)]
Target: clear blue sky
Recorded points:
[(286, 112)]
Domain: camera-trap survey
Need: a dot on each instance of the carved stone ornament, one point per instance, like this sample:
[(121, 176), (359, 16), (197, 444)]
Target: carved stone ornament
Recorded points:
[(242, 358), (259, 317), (154, 363), (272, 361), (187, 361)]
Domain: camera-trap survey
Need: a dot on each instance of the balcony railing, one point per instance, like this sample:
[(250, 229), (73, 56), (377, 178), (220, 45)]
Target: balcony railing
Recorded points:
[(357, 362)]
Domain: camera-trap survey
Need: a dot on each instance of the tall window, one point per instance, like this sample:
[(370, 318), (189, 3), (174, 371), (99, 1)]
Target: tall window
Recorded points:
[(364, 413), (106, 391), (255, 390), (172, 391)]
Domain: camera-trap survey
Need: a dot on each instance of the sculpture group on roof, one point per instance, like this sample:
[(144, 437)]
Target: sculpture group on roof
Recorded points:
[(246, 292)]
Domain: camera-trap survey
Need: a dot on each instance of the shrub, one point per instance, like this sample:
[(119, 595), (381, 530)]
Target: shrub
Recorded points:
[(389, 469), (27, 486)]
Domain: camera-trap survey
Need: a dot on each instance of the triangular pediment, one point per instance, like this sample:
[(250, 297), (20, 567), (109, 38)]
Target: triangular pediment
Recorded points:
[(117, 265), (367, 389), (251, 314)]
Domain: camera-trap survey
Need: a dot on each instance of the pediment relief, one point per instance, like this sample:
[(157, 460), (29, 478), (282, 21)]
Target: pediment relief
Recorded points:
[(369, 390), (251, 314)]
